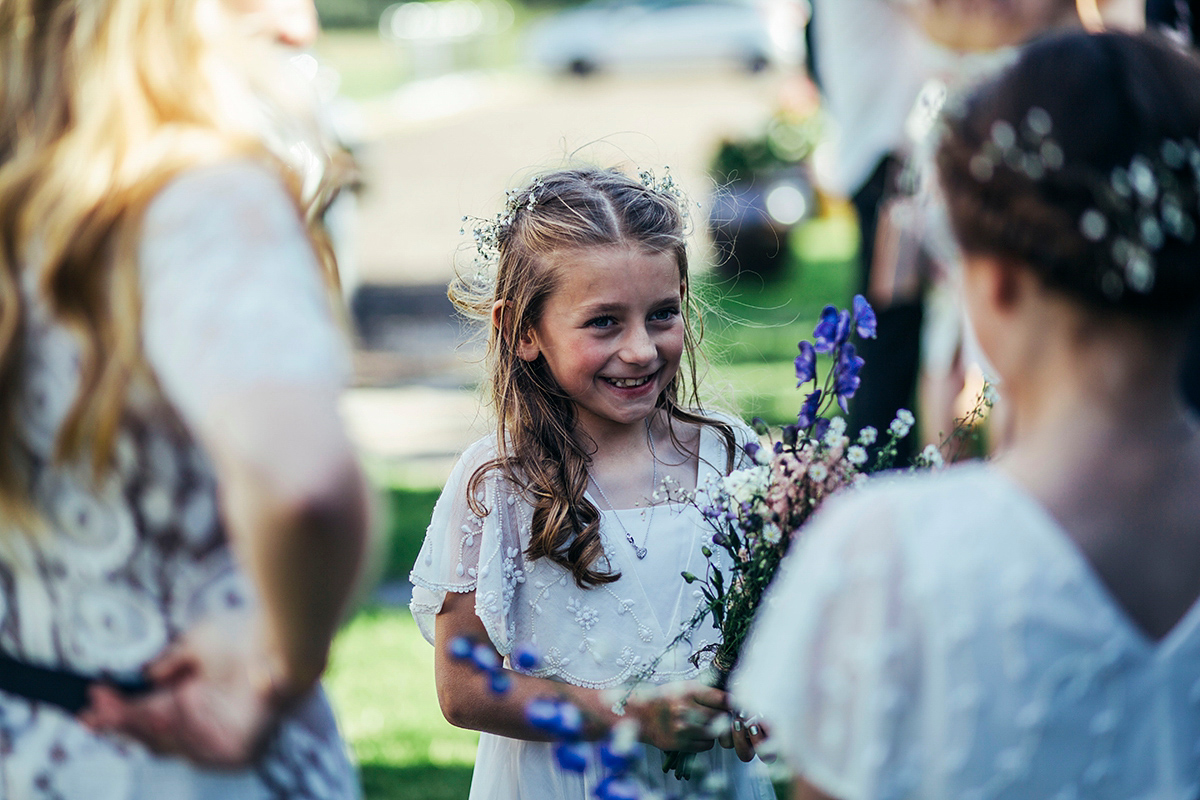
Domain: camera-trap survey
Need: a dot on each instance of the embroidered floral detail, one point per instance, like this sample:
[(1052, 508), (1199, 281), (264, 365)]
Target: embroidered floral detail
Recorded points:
[(585, 616), (628, 659), (553, 659), (491, 602), (513, 575), (645, 634)]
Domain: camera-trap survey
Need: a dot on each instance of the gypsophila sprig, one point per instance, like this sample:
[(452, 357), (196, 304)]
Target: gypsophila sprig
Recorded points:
[(488, 234), (1135, 210)]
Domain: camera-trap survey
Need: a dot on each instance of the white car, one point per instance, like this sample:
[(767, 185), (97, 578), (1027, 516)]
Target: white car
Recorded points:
[(624, 34)]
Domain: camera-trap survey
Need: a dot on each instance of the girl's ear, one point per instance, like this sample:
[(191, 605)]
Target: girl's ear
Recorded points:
[(527, 345), (498, 317), (528, 348)]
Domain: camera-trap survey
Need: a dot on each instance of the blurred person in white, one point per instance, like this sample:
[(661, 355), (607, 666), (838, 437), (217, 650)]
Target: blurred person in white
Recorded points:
[(915, 255), (182, 518), (1028, 628), (880, 62), (329, 135)]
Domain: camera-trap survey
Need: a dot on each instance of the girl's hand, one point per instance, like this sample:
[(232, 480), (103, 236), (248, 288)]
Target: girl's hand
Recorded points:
[(677, 716), (744, 736), (216, 701)]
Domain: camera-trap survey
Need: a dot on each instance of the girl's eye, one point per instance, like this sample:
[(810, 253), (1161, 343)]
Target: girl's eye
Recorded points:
[(602, 322), (664, 314)]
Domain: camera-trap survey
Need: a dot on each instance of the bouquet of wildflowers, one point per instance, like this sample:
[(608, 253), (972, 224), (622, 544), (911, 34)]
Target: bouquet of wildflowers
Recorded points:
[(756, 510)]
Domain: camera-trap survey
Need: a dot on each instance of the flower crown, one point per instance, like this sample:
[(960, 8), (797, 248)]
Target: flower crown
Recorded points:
[(1134, 209), (489, 233)]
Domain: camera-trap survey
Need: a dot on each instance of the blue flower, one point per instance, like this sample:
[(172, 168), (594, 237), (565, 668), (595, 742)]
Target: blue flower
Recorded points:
[(820, 428), (485, 657), (844, 326), (543, 714), (806, 363), (845, 376), (808, 412), (864, 318), (572, 756), (616, 762), (460, 647), (570, 720), (526, 658), (615, 788), (825, 334), (499, 681)]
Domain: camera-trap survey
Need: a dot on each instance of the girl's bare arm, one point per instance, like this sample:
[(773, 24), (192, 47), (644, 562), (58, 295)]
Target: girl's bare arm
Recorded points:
[(669, 721)]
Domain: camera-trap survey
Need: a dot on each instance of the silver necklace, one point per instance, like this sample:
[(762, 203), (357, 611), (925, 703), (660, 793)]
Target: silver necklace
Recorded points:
[(640, 551)]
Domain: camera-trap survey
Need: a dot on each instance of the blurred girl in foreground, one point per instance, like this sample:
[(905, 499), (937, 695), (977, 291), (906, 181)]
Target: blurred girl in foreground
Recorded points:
[(166, 338), (1029, 627)]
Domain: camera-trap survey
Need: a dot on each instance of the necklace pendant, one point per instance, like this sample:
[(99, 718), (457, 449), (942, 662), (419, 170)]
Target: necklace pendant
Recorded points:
[(641, 551)]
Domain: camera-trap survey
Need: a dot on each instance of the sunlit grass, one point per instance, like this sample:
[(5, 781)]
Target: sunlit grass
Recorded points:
[(380, 680)]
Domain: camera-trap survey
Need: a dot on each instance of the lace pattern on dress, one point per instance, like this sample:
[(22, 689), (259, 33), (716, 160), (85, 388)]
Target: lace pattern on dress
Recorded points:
[(940, 637), (122, 569), (596, 638)]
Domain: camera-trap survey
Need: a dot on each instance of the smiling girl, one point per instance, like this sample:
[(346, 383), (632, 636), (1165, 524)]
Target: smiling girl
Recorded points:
[(550, 533)]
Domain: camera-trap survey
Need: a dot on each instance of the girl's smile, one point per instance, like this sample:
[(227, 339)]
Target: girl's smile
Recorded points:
[(611, 331)]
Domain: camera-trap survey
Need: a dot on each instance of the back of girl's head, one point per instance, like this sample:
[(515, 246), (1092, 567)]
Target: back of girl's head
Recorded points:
[(1082, 162), (538, 449)]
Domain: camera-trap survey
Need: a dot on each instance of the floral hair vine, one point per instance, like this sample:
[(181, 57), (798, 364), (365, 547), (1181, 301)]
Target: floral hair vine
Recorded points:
[(489, 233), (665, 185), (1134, 208)]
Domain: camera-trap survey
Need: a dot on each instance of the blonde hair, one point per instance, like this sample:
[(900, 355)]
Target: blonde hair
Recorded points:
[(535, 419), (102, 102)]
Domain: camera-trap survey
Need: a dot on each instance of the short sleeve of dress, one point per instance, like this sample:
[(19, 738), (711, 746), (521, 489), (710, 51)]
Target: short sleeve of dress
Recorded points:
[(743, 435), (232, 295), (833, 662), (465, 551)]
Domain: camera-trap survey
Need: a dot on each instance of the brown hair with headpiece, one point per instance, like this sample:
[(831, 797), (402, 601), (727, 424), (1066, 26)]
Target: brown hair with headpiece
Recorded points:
[(1081, 161), (538, 449)]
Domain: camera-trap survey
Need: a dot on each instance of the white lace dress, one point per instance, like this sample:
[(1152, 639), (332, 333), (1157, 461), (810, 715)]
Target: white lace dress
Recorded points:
[(231, 297), (941, 637), (599, 638)]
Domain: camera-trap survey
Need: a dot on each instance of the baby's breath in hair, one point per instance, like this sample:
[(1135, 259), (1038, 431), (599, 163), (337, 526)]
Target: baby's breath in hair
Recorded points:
[(488, 235), (1134, 209)]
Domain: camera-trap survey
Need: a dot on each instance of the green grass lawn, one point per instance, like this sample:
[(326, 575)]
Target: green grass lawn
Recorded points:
[(380, 680)]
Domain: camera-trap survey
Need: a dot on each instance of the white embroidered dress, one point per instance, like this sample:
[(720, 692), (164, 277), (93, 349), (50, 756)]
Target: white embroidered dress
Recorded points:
[(598, 638), (231, 298), (942, 638)]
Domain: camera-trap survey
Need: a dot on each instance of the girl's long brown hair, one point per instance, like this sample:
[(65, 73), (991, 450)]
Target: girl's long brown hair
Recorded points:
[(102, 102), (535, 420)]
